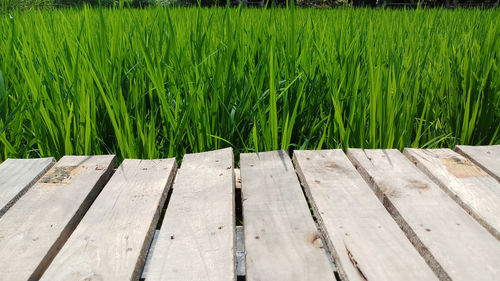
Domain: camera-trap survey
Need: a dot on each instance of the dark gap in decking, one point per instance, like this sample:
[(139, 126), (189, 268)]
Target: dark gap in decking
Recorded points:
[(157, 229), (240, 254), (311, 211), (106, 180), (148, 255), (169, 194), (307, 200), (72, 224), (164, 209), (238, 204), (328, 253), (320, 231), (239, 231), (238, 207)]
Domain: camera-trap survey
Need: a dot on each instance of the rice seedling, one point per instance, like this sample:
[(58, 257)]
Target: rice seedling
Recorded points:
[(163, 82)]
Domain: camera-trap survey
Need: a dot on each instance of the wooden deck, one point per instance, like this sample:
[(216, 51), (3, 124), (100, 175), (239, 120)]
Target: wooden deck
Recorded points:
[(424, 214)]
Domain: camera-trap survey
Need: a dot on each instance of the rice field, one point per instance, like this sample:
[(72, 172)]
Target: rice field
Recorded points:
[(163, 82)]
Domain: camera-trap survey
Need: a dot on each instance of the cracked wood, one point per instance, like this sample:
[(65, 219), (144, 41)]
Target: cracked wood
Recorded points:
[(366, 243)]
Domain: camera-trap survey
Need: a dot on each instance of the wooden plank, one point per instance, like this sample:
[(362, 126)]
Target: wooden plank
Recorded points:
[(197, 237), (366, 243), (36, 227), (486, 157), (17, 176), (455, 245), (281, 239), (112, 240), (470, 186)]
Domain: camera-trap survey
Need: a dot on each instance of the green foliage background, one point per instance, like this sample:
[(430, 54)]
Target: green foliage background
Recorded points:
[(163, 82), (7, 5)]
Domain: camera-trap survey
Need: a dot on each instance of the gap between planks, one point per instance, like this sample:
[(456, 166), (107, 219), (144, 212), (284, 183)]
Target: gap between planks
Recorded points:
[(197, 236), (365, 242), (470, 186), (112, 239), (19, 175), (486, 157), (455, 245), (36, 227), (281, 239)]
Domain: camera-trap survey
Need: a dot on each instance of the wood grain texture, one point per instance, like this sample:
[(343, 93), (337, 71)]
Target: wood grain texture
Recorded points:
[(366, 243), (486, 157), (471, 187), (197, 237), (112, 240), (455, 245), (17, 176), (281, 239), (36, 227)]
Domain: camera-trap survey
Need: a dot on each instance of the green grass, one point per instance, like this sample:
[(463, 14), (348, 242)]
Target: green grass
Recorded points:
[(160, 83)]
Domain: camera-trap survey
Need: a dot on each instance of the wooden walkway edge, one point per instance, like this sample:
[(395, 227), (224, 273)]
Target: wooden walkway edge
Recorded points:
[(38, 224), (374, 214), (17, 176)]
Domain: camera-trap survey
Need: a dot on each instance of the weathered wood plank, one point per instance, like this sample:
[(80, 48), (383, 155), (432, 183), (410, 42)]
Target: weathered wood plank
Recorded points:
[(471, 187), (281, 239), (366, 243), (486, 157), (455, 245), (17, 176), (197, 236), (112, 240), (36, 227)]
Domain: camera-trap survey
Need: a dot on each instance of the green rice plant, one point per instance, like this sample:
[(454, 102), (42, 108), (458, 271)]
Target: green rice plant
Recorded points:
[(161, 82)]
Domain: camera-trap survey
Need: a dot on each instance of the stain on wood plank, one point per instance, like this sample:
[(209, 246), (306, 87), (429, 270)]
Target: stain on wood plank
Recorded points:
[(462, 168), (333, 165), (315, 240), (389, 190), (418, 184), (61, 175)]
